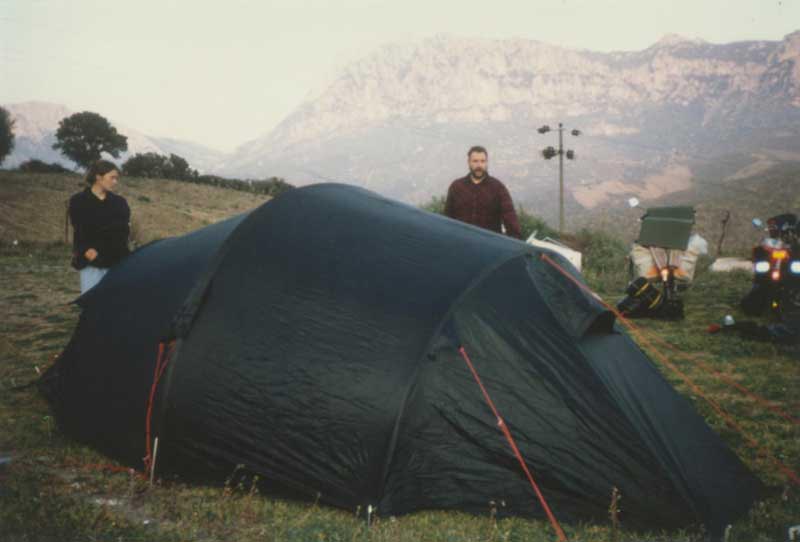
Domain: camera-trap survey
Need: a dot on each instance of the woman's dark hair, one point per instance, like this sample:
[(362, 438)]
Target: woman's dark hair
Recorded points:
[(100, 167)]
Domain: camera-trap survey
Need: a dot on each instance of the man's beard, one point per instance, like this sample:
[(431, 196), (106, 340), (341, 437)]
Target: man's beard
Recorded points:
[(479, 173)]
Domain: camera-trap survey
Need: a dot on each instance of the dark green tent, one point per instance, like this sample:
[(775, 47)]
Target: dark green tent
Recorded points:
[(317, 344)]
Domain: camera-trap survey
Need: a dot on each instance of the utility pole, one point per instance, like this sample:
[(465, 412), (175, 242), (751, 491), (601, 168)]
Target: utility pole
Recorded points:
[(550, 152), (560, 178)]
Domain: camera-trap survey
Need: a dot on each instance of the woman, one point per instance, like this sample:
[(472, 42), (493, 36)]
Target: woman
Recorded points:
[(101, 222)]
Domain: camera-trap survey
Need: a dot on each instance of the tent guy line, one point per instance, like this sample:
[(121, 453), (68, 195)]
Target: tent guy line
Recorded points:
[(507, 433)]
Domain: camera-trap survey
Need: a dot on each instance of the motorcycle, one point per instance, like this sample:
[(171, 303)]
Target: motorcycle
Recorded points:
[(776, 266)]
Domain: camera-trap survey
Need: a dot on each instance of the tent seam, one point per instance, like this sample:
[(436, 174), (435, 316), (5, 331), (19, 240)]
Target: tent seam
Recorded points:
[(206, 280)]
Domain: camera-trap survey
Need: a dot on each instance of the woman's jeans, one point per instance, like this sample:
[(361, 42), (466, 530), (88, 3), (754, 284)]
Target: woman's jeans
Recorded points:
[(90, 276)]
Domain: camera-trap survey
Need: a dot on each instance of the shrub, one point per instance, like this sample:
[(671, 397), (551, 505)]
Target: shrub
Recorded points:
[(37, 166), (274, 186), (529, 223), (605, 264), (156, 166), (435, 205), (6, 134)]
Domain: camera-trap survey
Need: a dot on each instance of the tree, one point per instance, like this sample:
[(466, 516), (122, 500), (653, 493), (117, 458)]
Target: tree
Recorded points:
[(6, 134), (178, 168), (83, 137)]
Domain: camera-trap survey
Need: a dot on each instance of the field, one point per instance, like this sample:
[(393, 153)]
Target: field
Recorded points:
[(56, 489), (33, 207)]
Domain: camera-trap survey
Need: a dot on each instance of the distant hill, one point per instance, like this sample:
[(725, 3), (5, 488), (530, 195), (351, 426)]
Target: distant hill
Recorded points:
[(33, 207)]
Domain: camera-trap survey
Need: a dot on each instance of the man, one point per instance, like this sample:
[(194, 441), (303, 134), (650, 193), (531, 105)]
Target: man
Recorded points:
[(480, 199)]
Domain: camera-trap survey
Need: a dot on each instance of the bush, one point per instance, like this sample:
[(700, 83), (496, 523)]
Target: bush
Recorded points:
[(37, 166), (605, 264), (435, 205), (529, 223), (156, 166), (274, 186), (6, 134)]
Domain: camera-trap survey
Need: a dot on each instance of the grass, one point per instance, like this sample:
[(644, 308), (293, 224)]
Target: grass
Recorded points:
[(33, 206), (55, 489)]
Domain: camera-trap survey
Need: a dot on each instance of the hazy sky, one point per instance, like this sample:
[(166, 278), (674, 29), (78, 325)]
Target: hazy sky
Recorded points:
[(225, 71)]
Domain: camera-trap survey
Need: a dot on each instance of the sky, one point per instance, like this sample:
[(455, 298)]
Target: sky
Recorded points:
[(224, 72)]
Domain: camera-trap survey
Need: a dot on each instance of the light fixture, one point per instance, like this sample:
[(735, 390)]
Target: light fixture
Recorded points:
[(762, 267)]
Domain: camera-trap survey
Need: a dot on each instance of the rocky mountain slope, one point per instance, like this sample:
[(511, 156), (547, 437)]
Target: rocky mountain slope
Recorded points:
[(400, 120)]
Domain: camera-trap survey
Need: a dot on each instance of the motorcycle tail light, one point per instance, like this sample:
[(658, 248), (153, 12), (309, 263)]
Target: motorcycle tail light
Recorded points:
[(776, 275), (779, 254), (794, 267), (762, 267)]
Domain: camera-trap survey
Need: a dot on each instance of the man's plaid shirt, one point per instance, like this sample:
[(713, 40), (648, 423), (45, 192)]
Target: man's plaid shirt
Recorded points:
[(486, 204)]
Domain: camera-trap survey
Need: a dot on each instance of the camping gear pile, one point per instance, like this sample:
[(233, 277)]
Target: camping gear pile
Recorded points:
[(344, 347), (662, 264)]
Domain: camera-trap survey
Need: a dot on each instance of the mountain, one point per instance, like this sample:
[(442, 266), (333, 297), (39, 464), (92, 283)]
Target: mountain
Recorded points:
[(400, 120), (35, 124)]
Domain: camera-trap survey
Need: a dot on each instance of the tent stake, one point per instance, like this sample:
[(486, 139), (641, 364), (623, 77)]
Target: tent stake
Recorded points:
[(153, 463)]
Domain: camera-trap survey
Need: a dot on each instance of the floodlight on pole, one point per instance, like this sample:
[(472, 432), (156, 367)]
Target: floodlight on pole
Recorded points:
[(551, 152)]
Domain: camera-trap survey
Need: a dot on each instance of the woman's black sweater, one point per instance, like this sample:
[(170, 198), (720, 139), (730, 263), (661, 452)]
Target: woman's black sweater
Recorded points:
[(103, 225)]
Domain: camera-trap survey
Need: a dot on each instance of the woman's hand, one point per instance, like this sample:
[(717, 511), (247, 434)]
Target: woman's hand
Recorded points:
[(91, 254)]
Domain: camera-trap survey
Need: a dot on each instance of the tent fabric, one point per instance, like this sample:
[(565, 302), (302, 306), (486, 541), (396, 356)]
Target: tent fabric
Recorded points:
[(317, 345)]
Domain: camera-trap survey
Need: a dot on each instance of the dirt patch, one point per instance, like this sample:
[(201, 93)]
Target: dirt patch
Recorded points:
[(762, 164), (674, 178)]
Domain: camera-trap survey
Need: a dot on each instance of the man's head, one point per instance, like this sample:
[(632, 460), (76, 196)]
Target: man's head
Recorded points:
[(478, 162)]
